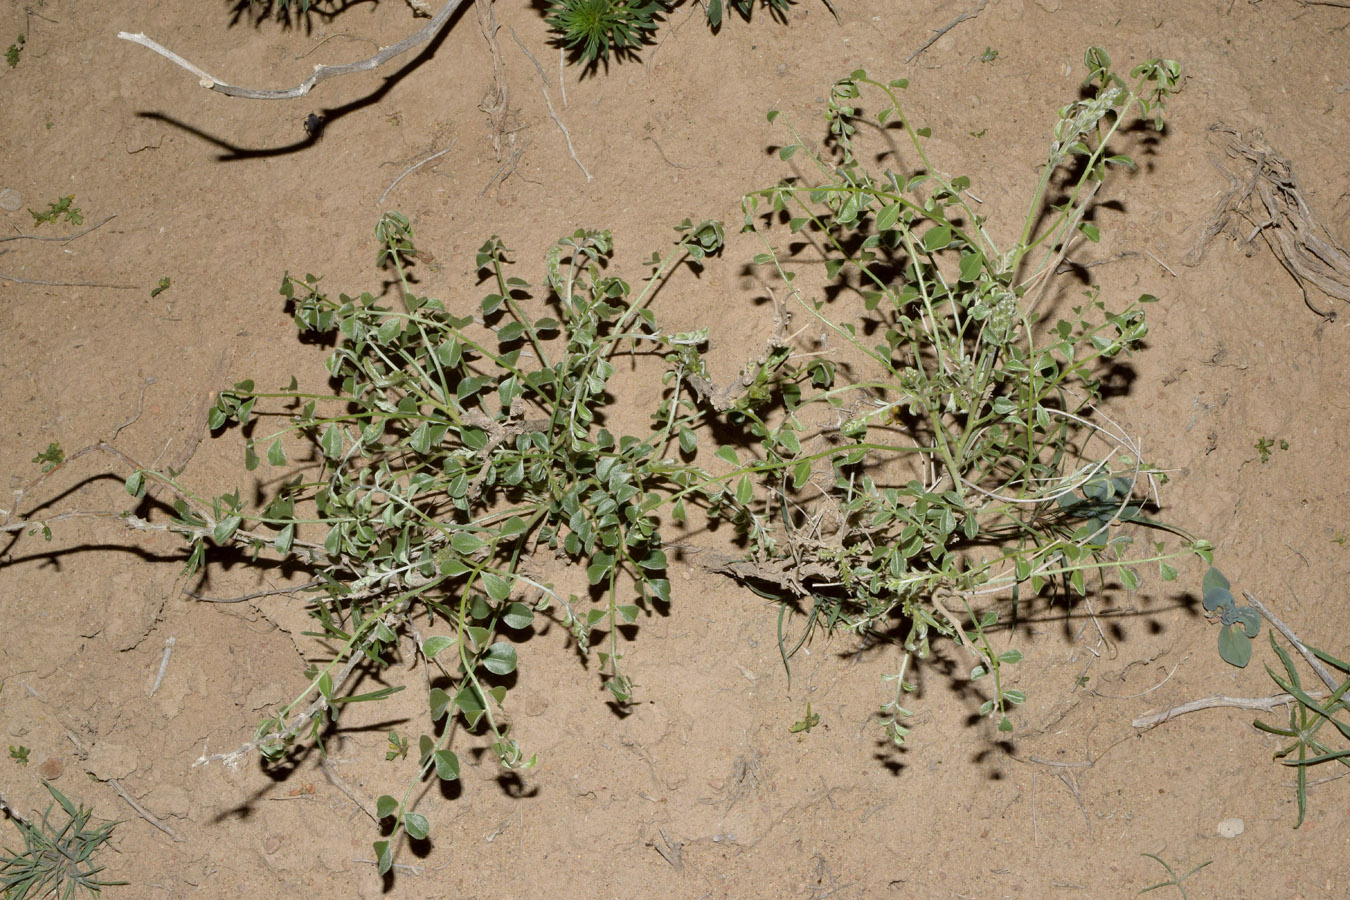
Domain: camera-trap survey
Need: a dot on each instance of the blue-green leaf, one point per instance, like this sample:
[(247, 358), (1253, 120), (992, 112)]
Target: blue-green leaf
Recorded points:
[(500, 658), (1234, 646), (432, 646), (383, 856), (447, 765), (417, 825)]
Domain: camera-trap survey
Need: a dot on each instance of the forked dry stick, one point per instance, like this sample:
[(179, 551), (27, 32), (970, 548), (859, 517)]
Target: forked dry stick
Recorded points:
[(207, 80), (1260, 704)]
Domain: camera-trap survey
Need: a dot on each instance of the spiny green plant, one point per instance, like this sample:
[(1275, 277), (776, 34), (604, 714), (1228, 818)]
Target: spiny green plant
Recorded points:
[(592, 29), (55, 861), (966, 456)]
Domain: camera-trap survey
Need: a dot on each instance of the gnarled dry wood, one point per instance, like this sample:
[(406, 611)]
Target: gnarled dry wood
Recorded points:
[(207, 80)]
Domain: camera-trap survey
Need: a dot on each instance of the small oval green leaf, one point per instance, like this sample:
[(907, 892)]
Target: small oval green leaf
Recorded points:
[(417, 825), (447, 765), (500, 658)]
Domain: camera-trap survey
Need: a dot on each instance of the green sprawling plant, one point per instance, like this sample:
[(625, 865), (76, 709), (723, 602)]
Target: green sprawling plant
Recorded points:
[(965, 455), (890, 487), (457, 451), (55, 861)]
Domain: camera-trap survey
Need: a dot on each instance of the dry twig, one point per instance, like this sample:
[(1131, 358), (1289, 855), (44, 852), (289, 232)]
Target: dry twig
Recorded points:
[(320, 73), (566, 134), (1260, 704), (968, 14), (97, 284), (413, 168), (62, 238)]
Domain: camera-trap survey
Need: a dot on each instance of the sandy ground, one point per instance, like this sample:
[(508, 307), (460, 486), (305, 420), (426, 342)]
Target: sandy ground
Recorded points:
[(702, 792)]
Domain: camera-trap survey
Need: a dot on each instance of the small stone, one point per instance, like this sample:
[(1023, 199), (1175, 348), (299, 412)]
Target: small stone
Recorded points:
[(51, 768), (11, 200), (271, 844), (1231, 828)]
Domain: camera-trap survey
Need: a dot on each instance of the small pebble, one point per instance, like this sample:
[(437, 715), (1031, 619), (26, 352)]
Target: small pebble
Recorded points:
[(271, 844), (1231, 828), (51, 768), (11, 200)]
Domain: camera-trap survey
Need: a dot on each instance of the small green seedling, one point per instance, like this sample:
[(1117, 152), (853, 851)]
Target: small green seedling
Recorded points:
[(398, 747), (161, 287), (1174, 880), (61, 209), (56, 861), (50, 458), (989, 55), (19, 754), (1235, 645), (1265, 446), (807, 722), (15, 49)]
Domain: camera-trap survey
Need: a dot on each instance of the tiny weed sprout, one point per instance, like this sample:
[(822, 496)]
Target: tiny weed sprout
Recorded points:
[(60, 209), (806, 722), (1265, 446), (15, 51), (19, 754), (56, 860), (50, 458)]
